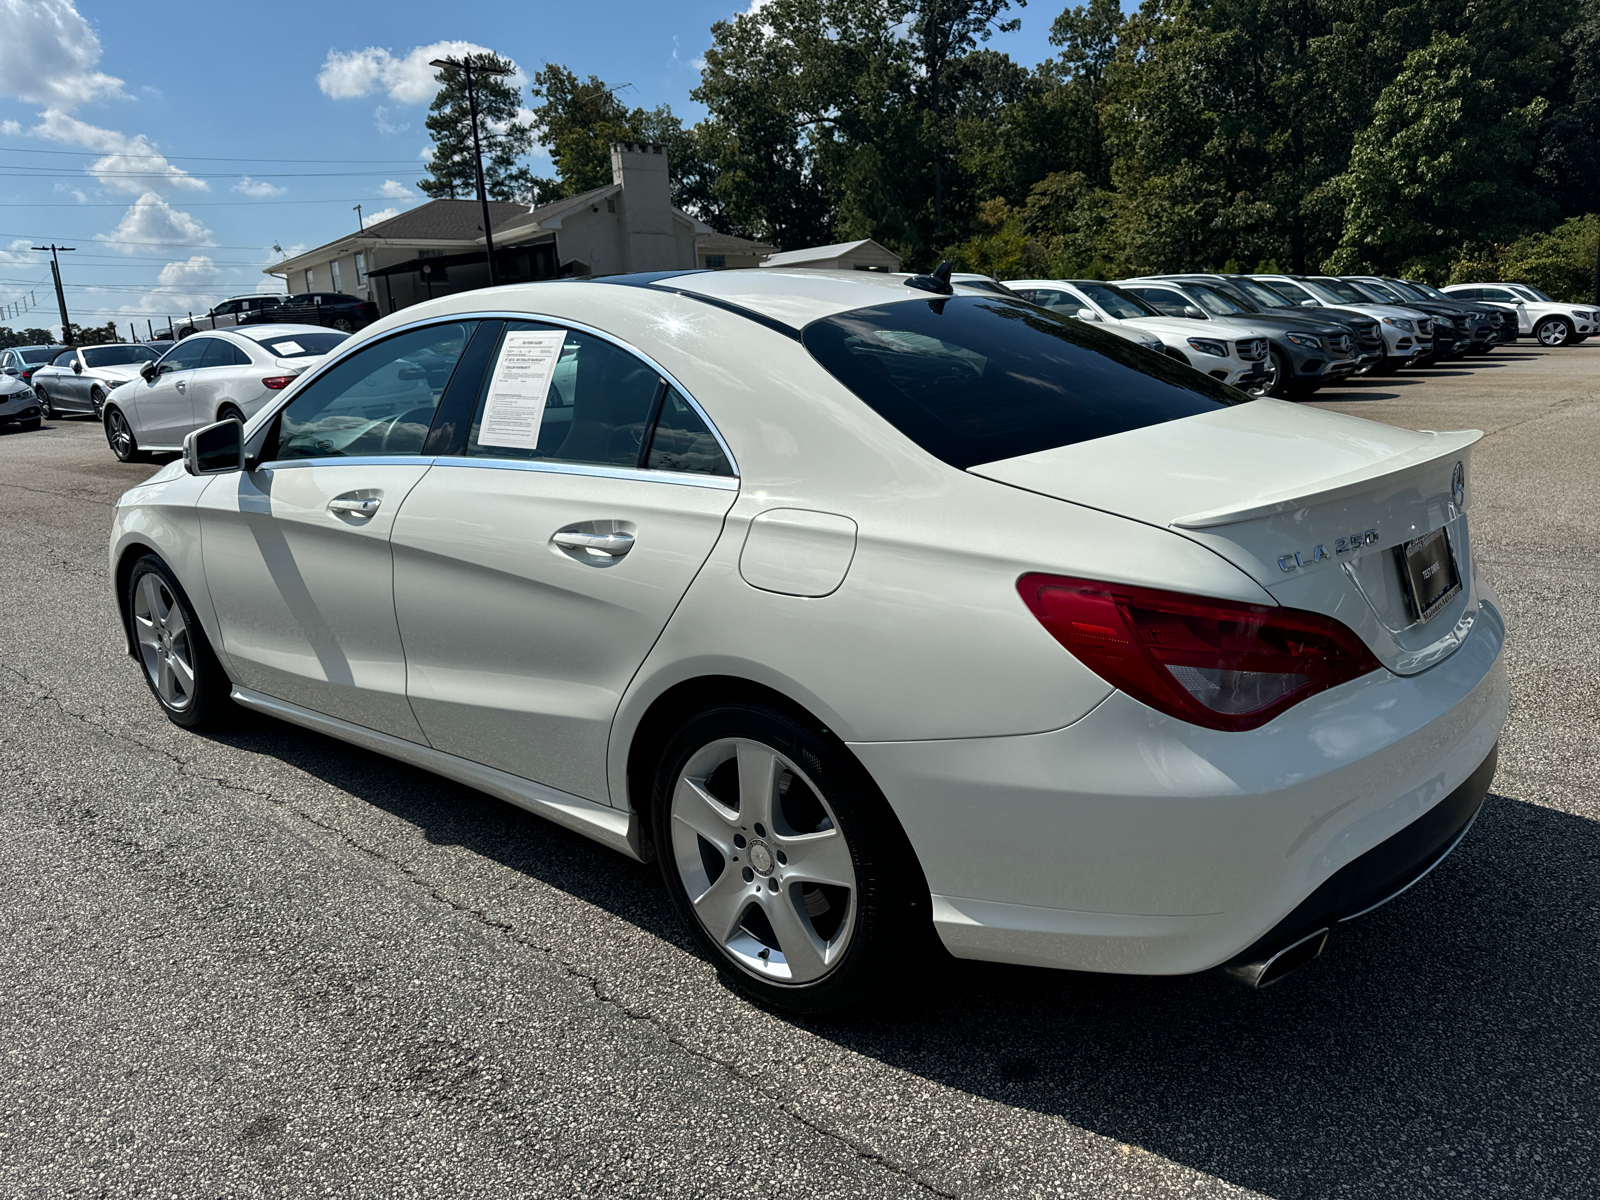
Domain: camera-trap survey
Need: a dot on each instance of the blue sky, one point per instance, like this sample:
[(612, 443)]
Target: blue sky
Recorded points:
[(174, 148)]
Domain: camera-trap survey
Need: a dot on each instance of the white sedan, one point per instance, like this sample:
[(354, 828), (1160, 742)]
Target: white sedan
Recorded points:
[(874, 613), (208, 377)]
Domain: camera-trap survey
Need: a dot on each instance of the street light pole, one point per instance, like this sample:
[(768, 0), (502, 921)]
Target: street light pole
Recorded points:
[(61, 296), (467, 68)]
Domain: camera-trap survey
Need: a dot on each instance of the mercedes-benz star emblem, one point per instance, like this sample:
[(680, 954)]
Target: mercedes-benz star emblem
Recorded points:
[(1458, 486)]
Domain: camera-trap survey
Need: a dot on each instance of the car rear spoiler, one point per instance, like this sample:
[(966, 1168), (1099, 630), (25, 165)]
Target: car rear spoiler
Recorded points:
[(1439, 445)]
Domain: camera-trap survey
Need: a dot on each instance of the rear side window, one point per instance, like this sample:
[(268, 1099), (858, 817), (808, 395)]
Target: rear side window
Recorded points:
[(977, 379), (223, 354), (682, 442)]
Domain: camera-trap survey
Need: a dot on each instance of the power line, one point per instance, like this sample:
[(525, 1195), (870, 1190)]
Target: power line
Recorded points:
[(204, 157), (78, 172), (220, 203), (105, 241)]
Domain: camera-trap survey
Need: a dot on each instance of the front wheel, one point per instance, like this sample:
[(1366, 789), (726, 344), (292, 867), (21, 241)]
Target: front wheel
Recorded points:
[(119, 436), (179, 665), (343, 324), (1553, 331), (783, 861), (46, 409), (97, 401)]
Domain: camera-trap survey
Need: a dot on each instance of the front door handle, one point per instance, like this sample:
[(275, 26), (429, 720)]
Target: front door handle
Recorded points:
[(615, 545), (354, 508), (181, 385)]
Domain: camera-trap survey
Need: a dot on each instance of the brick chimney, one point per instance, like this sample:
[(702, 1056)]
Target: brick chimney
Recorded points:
[(645, 206)]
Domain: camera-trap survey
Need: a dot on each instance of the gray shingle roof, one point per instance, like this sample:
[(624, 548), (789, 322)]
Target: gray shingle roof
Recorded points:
[(445, 221)]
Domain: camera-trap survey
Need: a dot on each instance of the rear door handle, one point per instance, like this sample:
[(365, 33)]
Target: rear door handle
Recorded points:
[(613, 544), (354, 508)]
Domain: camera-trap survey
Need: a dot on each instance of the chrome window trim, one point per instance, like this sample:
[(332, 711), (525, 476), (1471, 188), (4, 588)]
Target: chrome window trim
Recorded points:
[(307, 378), (357, 460), (721, 483)]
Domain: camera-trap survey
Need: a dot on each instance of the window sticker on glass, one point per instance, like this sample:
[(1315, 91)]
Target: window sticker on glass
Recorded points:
[(514, 410), (284, 349)]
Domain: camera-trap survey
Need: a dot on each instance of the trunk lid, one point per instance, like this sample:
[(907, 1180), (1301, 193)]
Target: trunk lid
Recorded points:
[(1309, 504)]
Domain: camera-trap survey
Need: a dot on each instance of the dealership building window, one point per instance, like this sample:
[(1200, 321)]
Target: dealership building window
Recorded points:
[(361, 270), (333, 268), (716, 262), (310, 287)]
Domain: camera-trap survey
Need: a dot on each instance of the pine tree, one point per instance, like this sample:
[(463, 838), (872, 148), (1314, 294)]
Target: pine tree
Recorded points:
[(505, 138)]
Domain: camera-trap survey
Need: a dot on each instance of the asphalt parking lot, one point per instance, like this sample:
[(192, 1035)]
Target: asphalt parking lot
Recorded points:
[(263, 963)]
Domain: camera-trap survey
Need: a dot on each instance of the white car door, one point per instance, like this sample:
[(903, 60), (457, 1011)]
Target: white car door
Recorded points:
[(535, 568), (297, 553), (216, 379), (162, 411)]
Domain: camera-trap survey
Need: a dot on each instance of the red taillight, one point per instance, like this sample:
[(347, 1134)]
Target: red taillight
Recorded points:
[(1216, 663), (278, 382)]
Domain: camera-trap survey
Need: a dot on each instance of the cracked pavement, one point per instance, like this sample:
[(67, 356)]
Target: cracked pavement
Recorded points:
[(263, 963)]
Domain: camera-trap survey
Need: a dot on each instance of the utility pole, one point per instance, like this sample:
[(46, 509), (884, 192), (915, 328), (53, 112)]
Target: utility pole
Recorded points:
[(360, 222), (61, 296), (466, 67)]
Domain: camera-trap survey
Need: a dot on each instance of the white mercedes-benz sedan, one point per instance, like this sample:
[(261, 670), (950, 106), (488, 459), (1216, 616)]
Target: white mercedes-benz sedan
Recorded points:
[(205, 378), (881, 617)]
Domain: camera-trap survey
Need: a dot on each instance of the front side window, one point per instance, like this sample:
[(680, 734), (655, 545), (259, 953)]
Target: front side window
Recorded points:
[(65, 358), (379, 401), (1500, 294), (1168, 304), (975, 379), (223, 354), (1120, 304), (117, 356), (185, 356)]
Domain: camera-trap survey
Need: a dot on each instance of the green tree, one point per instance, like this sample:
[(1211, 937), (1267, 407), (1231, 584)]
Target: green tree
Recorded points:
[(1442, 162), (503, 134), (23, 337)]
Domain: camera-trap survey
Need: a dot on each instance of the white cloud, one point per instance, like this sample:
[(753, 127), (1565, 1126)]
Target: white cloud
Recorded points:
[(130, 163), (52, 53), (383, 214), (152, 219), (10, 128), (257, 187), (198, 269), (405, 79), (380, 119), (393, 189)]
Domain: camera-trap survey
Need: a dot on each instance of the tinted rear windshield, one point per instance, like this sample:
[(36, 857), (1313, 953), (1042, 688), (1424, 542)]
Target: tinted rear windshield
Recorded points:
[(38, 354), (299, 345), (975, 379)]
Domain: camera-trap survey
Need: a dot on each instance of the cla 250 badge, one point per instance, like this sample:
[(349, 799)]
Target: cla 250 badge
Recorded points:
[(1344, 545)]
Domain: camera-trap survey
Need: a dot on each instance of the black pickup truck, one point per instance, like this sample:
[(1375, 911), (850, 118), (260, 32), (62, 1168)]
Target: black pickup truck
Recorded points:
[(334, 310)]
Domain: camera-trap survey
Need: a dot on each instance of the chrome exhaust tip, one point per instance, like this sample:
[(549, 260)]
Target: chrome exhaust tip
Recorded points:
[(1260, 972)]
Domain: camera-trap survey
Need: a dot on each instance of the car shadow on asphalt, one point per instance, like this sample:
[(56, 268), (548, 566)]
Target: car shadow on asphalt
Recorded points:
[(1445, 1044)]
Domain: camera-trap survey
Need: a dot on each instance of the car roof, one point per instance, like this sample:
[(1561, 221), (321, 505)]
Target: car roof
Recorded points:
[(257, 332), (794, 297)]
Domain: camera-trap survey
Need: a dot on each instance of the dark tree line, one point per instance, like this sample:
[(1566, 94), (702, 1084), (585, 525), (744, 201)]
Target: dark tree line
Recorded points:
[(1428, 136)]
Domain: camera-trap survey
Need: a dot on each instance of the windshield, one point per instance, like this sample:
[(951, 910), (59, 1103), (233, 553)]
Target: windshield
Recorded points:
[(1342, 292), (1405, 291), (1429, 292), (299, 345), (117, 356), (1116, 302), (1532, 293), (1259, 294), (986, 285), (1214, 302), (1380, 291), (973, 379)]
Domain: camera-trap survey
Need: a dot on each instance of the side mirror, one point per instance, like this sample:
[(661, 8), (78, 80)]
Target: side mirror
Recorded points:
[(1088, 314), (77, 366), (215, 450), (1309, 304), (148, 372), (1193, 313)]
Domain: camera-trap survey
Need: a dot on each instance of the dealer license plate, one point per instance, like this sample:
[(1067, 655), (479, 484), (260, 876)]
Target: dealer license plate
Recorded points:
[(1429, 570)]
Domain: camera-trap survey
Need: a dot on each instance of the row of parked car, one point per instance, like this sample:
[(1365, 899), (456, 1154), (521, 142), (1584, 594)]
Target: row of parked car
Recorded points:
[(1288, 335), (1278, 335)]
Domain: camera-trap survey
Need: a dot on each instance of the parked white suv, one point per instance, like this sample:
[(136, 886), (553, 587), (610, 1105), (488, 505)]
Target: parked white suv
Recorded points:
[(1227, 350), (1549, 321)]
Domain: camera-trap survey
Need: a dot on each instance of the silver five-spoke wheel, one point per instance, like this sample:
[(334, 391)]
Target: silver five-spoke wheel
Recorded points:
[(165, 646), (120, 435), (763, 861)]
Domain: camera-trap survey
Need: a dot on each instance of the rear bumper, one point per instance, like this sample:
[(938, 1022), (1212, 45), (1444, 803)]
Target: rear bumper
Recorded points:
[(1134, 843)]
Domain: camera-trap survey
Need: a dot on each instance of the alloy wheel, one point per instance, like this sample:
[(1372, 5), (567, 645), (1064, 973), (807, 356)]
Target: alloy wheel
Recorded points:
[(97, 399), (1553, 332), (766, 868), (120, 436), (45, 409), (165, 647)]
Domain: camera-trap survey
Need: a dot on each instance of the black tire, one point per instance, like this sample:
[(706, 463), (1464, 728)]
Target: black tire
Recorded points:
[(230, 412), (202, 702), (343, 324), (31, 423), (46, 409), (887, 918), (119, 436), (1553, 332), (1282, 383), (97, 401), (186, 331)]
